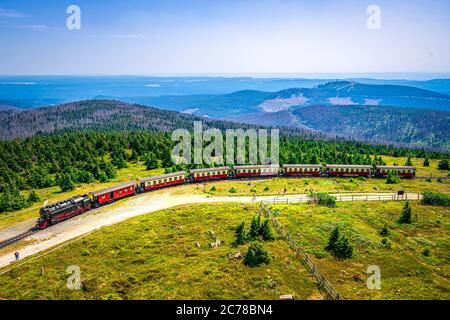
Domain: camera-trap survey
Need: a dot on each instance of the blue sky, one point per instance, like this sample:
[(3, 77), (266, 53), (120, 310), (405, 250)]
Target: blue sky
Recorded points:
[(223, 37)]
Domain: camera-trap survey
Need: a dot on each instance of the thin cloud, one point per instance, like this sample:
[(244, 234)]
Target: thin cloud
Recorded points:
[(8, 13), (36, 27), (125, 36)]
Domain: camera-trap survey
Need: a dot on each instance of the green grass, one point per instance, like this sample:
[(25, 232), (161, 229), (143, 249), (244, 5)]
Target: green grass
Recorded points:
[(405, 272), (155, 257)]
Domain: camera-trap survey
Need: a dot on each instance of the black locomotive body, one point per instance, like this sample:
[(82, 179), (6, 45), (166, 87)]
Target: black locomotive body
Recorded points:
[(63, 210)]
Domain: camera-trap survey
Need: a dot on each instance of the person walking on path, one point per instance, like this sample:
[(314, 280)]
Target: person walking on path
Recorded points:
[(16, 255)]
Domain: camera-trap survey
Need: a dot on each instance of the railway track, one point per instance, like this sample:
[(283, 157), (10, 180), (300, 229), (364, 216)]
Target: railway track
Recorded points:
[(17, 238)]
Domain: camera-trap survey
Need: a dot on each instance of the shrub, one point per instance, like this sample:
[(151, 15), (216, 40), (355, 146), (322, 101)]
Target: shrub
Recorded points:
[(213, 189), (266, 188), (233, 190), (436, 198), (426, 162), (440, 180), (426, 252), (406, 216), (392, 177), (384, 231), (33, 197), (325, 199), (443, 165), (428, 180), (256, 255)]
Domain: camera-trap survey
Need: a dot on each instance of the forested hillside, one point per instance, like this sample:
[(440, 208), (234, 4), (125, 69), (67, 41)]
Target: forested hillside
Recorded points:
[(107, 115), (426, 128)]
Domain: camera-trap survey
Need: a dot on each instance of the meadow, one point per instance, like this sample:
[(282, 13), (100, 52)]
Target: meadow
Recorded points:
[(156, 256)]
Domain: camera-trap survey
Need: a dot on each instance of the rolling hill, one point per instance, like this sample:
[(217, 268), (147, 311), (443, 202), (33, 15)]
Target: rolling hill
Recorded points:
[(328, 94), (109, 115)]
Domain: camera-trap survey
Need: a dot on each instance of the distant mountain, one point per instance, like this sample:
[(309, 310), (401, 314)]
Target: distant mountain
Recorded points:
[(420, 127), (109, 115), (331, 93)]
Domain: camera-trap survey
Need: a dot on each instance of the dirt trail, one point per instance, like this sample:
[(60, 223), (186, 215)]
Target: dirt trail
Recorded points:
[(132, 207)]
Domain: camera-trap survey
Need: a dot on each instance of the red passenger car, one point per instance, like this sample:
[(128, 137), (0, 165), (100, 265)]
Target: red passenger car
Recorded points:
[(163, 180), (402, 171), (113, 193), (210, 173), (302, 169), (348, 170), (256, 171)]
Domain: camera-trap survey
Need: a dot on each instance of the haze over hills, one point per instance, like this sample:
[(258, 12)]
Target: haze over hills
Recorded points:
[(331, 93), (38, 91)]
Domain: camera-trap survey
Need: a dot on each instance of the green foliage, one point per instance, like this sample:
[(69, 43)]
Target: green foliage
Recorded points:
[(392, 177), (384, 231), (440, 180), (240, 234), (324, 199), (65, 182), (33, 197), (232, 190), (334, 237), (426, 252), (406, 216), (266, 188), (426, 162), (339, 246), (12, 199), (151, 161), (436, 198), (266, 231), (213, 189), (257, 255), (443, 165), (408, 161), (254, 227)]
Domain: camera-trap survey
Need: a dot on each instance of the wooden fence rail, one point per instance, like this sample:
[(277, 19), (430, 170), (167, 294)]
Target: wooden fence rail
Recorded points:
[(364, 197), (323, 282)]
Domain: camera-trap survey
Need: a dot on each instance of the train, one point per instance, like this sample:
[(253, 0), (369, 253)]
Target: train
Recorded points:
[(66, 209)]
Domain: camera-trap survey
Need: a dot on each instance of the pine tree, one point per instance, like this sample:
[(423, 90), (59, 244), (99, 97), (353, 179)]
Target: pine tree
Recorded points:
[(266, 231), (256, 255), (408, 161), (334, 237), (392, 177), (343, 250), (426, 162), (254, 228), (240, 234), (406, 216)]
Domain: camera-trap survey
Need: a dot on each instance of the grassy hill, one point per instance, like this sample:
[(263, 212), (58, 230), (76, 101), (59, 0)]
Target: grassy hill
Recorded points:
[(156, 257)]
